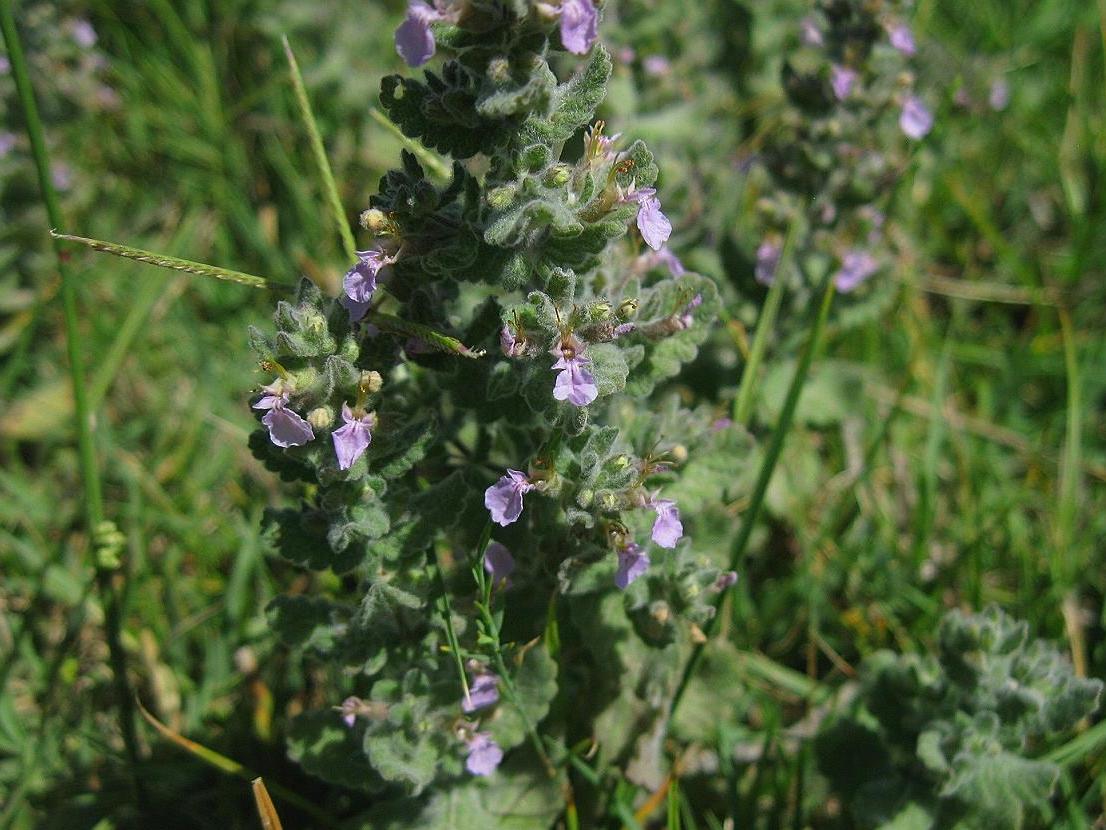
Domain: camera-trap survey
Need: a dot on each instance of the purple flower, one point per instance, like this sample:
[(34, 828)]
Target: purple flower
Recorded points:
[(83, 33), (667, 528), (720, 424), (632, 563), (999, 97), (7, 142), (809, 33), (656, 65), (414, 40), (360, 280), (654, 225), (903, 39), (666, 257), (574, 383), (484, 754), (5, 65), (768, 259), (499, 563), (286, 428), (504, 498), (916, 120), (856, 267), (483, 692), (351, 440), (61, 174), (356, 310), (686, 319), (842, 79), (725, 580), (350, 708), (510, 343), (624, 328), (579, 25)]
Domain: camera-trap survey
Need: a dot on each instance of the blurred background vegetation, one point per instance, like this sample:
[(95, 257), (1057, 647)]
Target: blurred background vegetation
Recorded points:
[(950, 452)]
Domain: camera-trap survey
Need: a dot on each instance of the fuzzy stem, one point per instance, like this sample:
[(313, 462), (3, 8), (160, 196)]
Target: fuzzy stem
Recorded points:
[(319, 152), (767, 467), (89, 467)]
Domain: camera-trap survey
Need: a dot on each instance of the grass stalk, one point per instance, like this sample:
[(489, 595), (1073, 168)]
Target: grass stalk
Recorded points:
[(767, 468), (86, 451), (744, 401), (319, 152)]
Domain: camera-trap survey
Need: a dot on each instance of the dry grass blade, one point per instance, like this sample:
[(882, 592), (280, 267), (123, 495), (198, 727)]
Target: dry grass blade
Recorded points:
[(265, 809)]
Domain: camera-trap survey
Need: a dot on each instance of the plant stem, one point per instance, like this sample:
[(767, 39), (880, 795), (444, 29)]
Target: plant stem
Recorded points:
[(317, 149), (744, 400), (767, 467), (90, 474)]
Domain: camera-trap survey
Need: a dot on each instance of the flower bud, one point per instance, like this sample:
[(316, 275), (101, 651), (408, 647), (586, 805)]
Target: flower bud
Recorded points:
[(500, 197), (558, 176), (499, 70), (314, 322), (375, 221), (585, 497), (678, 453), (627, 309), (321, 417), (371, 382), (660, 611)]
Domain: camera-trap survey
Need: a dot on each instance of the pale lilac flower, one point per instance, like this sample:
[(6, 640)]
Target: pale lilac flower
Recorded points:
[(574, 383), (686, 319), (626, 55), (725, 580), (5, 65), (286, 428), (7, 143), (654, 225), (351, 440), (666, 257), (720, 424), (667, 528), (504, 498), (624, 328), (809, 33), (856, 267), (414, 40), (842, 79), (356, 310), (483, 692), (499, 563), (61, 174), (656, 65), (768, 259), (999, 97), (359, 282), (83, 33), (350, 708), (484, 754), (916, 120), (511, 344), (579, 25), (632, 563), (903, 39)]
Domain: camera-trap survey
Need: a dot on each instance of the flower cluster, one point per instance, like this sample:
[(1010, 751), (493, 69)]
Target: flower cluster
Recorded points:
[(832, 163)]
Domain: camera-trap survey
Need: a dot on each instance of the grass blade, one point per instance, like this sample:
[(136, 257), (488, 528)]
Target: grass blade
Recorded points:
[(165, 261), (441, 342), (266, 810), (89, 466), (744, 400), (438, 167), (767, 467), (317, 149)]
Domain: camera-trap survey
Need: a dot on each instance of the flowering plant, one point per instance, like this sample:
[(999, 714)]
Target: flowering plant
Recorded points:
[(505, 521)]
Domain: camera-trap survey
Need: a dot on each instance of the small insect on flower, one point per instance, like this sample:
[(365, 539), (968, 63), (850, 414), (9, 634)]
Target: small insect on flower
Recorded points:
[(504, 498), (286, 427)]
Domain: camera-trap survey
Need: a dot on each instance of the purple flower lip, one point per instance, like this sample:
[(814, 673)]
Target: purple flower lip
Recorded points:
[(856, 267), (633, 562), (484, 754), (667, 528), (352, 439), (579, 25), (504, 498), (286, 427), (499, 563), (916, 119), (843, 79), (414, 41), (902, 38), (483, 692)]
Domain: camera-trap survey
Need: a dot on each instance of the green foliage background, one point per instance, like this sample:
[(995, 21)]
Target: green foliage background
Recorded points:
[(950, 450)]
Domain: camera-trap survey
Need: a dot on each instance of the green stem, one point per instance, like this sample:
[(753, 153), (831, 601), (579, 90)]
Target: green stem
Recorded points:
[(317, 149), (90, 474), (767, 468), (744, 400)]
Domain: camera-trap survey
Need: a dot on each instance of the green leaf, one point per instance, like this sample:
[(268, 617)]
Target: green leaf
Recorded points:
[(305, 622), (324, 746), (535, 682)]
